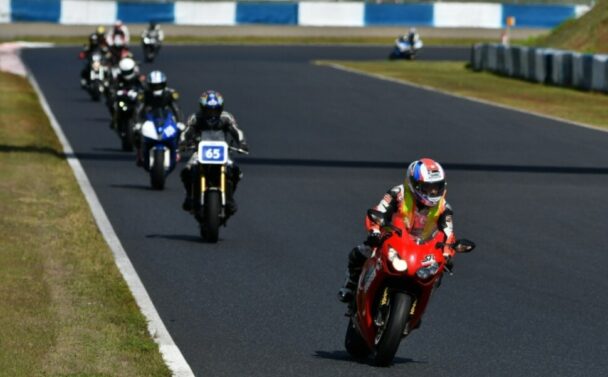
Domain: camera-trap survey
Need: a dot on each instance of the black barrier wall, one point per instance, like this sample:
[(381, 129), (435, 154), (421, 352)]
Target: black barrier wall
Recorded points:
[(543, 65)]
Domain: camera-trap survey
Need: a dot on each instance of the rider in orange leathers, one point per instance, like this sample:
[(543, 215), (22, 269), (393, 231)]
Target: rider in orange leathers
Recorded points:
[(421, 202)]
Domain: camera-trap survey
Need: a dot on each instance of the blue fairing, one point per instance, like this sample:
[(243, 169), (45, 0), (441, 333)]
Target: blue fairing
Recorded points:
[(166, 129)]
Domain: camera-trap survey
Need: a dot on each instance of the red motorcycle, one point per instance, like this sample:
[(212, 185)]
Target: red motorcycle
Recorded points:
[(394, 289)]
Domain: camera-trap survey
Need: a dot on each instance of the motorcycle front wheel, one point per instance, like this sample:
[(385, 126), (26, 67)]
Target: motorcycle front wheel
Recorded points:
[(353, 342), (157, 171), (210, 228), (390, 333), (126, 136)]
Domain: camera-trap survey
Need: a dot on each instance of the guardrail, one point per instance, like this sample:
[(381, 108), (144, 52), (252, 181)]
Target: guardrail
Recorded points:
[(543, 65), (307, 13)]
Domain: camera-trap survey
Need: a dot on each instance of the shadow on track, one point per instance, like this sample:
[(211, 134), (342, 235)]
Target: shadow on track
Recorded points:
[(402, 165), (132, 187), (344, 356), (177, 237), (105, 156), (31, 149)]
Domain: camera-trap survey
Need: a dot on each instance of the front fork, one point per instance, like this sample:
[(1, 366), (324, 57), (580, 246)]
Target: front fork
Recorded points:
[(222, 186)]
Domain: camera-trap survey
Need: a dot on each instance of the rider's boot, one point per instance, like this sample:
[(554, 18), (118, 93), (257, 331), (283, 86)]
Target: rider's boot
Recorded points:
[(187, 205), (346, 294)]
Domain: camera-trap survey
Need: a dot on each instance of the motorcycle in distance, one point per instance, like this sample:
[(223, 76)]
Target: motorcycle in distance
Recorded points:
[(210, 183), (405, 48), (125, 104), (97, 79), (394, 289), (150, 43), (160, 137)]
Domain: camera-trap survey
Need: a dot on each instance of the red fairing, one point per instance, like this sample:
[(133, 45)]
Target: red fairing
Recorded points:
[(379, 274)]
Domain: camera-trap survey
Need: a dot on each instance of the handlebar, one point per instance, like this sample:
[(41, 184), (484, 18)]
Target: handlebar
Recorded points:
[(239, 150)]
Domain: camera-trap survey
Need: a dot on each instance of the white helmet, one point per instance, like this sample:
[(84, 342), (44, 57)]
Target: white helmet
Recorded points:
[(127, 68)]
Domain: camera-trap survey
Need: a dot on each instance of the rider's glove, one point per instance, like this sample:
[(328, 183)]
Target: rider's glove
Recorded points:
[(181, 126), (374, 239)]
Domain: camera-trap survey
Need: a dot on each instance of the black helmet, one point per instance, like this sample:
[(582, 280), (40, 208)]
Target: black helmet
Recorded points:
[(93, 39), (212, 105), (157, 82)]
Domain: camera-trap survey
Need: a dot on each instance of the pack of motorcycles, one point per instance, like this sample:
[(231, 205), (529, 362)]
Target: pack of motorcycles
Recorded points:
[(397, 281), (157, 137)]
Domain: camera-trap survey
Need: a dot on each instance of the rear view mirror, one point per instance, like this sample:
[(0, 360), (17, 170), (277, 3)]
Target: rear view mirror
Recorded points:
[(464, 246)]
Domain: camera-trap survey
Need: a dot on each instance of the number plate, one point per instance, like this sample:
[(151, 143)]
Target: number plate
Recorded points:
[(212, 152)]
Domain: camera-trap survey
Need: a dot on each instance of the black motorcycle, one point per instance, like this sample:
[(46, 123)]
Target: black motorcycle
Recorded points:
[(210, 183), (150, 43), (125, 105), (97, 80)]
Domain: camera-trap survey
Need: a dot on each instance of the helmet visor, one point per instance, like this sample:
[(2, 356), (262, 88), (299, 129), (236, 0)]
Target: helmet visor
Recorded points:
[(431, 189)]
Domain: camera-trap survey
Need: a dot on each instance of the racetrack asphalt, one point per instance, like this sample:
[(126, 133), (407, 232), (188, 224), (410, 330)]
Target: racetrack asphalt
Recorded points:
[(325, 146)]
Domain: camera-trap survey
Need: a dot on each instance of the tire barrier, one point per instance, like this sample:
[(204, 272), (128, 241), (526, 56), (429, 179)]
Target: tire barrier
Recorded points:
[(543, 65)]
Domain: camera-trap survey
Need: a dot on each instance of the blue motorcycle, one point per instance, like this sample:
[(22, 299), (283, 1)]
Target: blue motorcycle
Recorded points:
[(160, 134)]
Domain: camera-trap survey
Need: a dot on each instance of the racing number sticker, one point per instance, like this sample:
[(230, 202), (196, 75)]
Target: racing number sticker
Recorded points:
[(213, 152)]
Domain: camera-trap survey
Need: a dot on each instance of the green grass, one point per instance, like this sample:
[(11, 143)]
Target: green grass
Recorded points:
[(64, 306), (454, 77), (588, 33)]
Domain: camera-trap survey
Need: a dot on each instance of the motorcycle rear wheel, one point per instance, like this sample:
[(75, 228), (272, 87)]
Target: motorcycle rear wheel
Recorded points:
[(210, 228), (157, 172), (353, 342), (394, 323)]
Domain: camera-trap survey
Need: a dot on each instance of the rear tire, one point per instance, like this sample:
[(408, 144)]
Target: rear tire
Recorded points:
[(353, 342), (95, 91), (157, 171), (211, 221), (399, 307), (126, 136)]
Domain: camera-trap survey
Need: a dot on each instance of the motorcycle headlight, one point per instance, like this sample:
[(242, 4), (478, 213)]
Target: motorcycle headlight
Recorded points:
[(398, 263), (428, 271)]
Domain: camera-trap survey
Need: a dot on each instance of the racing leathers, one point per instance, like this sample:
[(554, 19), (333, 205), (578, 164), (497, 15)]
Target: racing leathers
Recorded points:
[(167, 100), (422, 223), (87, 55), (133, 86), (233, 136)]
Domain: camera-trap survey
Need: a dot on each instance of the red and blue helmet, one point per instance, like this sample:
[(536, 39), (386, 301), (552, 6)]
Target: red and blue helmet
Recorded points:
[(426, 180)]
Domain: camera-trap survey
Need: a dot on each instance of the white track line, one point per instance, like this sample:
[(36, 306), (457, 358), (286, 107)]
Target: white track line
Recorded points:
[(169, 350), (431, 89)]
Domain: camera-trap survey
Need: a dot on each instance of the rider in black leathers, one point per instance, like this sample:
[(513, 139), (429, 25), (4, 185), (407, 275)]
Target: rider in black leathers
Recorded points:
[(128, 79), (212, 116), (156, 96), (95, 45)]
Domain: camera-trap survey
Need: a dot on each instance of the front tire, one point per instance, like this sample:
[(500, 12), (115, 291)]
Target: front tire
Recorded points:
[(157, 171), (353, 342), (126, 136), (210, 228), (386, 348)]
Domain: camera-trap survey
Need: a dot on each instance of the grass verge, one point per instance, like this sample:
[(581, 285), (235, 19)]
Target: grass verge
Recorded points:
[(64, 306), (454, 77)]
